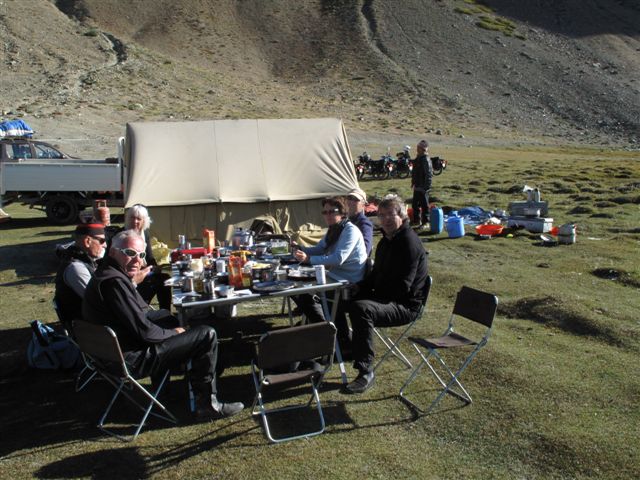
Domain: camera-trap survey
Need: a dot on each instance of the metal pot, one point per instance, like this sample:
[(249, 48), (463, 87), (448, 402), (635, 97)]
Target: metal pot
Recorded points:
[(242, 238)]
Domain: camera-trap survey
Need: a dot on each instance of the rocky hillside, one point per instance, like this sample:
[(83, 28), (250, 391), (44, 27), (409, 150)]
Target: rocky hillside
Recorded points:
[(553, 71)]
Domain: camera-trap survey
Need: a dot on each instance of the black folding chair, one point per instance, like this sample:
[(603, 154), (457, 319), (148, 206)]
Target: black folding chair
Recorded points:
[(283, 347), (88, 372), (101, 344), (477, 308), (392, 345)]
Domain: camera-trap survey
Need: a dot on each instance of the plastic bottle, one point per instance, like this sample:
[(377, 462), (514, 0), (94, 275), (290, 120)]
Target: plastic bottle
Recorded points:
[(436, 220), (455, 225)]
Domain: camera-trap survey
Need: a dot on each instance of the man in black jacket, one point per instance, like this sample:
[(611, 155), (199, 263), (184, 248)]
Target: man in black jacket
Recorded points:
[(149, 349), (391, 294), (78, 263), (421, 184)]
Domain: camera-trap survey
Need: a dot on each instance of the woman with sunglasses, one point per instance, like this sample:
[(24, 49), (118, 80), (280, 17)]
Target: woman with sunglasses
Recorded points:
[(137, 219), (341, 251)]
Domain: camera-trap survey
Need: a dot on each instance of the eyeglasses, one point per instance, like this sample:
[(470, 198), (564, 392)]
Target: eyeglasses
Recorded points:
[(131, 253), (330, 212), (100, 240), (387, 215)]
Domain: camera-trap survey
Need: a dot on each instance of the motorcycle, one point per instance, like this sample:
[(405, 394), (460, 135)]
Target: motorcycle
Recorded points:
[(380, 169), (362, 166), (439, 165), (404, 164)]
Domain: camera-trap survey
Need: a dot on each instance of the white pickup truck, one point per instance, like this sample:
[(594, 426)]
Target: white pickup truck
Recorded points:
[(40, 175)]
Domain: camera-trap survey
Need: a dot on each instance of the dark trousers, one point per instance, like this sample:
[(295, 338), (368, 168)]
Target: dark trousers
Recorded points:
[(420, 200), (199, 345), (311, 306), (366, 314), (153, 285)]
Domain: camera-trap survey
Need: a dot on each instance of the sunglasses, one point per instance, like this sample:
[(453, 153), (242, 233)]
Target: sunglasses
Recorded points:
[(131, 253), (100, 240), (330, 212)]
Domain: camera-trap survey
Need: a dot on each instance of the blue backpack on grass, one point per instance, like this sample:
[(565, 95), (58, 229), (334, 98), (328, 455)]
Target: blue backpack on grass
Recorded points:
[(50, 350)]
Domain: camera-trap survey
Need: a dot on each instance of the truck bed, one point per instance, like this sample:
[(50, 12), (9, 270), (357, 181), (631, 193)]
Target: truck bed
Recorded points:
[(53, 175)]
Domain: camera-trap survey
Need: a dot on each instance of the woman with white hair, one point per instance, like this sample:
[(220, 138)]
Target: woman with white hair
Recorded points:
[(137, 218)]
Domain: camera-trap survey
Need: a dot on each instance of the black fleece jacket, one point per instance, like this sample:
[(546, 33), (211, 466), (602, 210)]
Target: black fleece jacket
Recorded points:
[(399, 271)]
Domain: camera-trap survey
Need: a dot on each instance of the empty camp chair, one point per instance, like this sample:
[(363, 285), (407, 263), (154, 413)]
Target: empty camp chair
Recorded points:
[(101, 344), (474, 306), (283, 347), (87, 373), (392, 345)]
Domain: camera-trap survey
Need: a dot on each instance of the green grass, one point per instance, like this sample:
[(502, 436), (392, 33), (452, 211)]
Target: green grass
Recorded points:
[(555, 391)]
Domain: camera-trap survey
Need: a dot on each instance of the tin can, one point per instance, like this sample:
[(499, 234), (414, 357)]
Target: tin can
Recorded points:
[(221, 266), (321, 277)]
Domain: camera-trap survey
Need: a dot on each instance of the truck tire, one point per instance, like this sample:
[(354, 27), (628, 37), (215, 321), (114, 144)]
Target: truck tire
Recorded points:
[(62, 210)]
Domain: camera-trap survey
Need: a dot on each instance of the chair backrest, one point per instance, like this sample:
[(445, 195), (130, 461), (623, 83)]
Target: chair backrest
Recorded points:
[(426, 289), (295, 344), (476, 306), (101, 344)]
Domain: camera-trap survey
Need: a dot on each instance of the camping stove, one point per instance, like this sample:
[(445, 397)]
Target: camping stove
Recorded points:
[(529, 214)]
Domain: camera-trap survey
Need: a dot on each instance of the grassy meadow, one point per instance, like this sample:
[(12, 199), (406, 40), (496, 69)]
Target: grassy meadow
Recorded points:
[(556, 390)]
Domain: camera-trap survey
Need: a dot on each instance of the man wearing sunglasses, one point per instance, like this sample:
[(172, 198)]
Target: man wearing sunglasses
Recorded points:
[(78, 263), (151, 340)]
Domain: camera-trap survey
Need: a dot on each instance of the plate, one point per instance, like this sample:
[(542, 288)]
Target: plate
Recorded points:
[(302, 273), (275, 286)]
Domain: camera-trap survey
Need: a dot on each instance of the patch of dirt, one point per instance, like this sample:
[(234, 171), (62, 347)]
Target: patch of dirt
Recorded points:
[(554, 313), (620, 276)]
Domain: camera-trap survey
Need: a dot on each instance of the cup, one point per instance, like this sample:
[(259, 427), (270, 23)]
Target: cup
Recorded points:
[(281, 275), (226, 291), (221, 266), (321, 277)]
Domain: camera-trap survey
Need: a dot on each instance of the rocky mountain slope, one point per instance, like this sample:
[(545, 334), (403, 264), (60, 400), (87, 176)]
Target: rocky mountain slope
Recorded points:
[(552, 71)]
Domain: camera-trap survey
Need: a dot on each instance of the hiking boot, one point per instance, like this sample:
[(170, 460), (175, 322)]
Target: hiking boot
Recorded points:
[(363, 382), (216, 409)]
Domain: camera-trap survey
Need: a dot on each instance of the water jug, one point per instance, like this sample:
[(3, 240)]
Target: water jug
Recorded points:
[(436, 220), (455, 225)]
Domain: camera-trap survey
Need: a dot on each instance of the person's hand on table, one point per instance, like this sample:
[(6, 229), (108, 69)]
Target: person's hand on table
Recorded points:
[(300, 256)]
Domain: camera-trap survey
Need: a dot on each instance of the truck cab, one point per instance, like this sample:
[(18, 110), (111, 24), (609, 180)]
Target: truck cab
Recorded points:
[(17, 148)]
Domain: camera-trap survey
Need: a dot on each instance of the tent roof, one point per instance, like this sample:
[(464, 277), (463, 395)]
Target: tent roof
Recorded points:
[(237, 161)]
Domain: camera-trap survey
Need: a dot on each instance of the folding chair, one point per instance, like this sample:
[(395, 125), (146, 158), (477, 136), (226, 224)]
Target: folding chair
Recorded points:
[(392, 346), (88, 372), (282, 347), (474, 306), (101, 344)]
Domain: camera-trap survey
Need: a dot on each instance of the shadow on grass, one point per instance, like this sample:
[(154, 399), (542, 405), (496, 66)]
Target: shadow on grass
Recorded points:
[(22, 223), (36, 259)]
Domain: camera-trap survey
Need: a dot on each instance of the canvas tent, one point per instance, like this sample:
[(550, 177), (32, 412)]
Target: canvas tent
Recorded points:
[(222, 174)]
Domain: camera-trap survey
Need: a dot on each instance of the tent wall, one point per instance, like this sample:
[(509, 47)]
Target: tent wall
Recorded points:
[(225, 173)]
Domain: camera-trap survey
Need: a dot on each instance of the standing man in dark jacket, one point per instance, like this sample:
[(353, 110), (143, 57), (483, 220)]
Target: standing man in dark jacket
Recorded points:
[(111, 299), (78, 263), (421, 184), (392, 293)]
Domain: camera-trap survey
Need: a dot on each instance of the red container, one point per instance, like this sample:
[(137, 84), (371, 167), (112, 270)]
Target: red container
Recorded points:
[(490, 230)]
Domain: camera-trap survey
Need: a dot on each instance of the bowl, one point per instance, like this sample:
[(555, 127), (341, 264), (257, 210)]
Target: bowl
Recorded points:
[(489, 230)]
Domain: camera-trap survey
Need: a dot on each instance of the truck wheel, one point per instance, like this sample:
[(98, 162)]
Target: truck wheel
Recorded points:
[(62, 209)]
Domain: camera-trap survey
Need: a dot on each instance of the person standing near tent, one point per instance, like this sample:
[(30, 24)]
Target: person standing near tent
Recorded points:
[(341, 250), (421, 184), (356, 201)]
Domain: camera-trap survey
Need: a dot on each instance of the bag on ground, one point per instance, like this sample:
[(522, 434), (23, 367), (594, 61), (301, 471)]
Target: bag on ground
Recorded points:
[(50, 350)]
